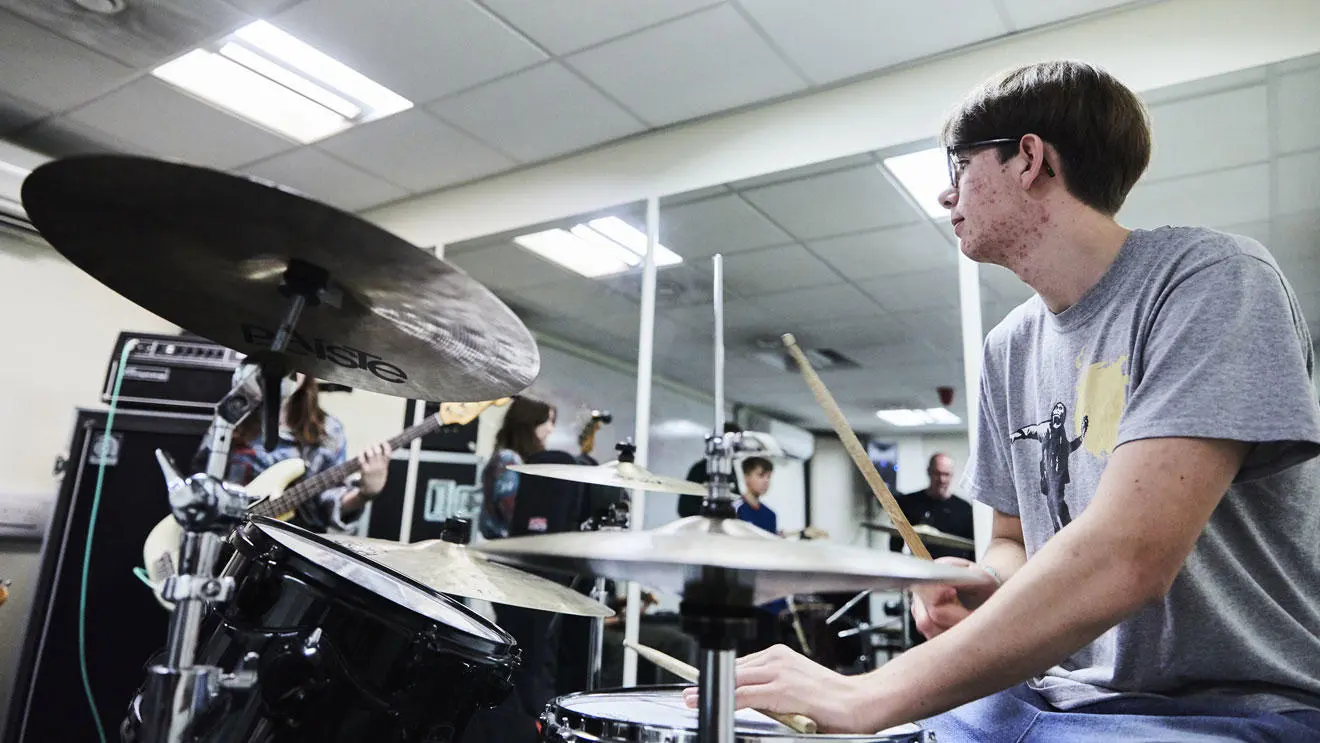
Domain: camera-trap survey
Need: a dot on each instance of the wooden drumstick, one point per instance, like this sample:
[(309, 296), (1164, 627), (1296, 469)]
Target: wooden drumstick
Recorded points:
[(799, 723), (854, 447)]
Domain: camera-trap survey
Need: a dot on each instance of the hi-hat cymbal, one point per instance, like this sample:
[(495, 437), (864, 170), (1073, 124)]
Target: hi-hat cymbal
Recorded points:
[(208, 250), (457, 571), (625, 475), (705, 551), (929, 535)]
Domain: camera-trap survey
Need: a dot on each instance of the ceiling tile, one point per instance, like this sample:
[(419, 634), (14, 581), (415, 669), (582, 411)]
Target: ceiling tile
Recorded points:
[(263, 8), (867, 255), (1298, 182), (416, 150), (1029, 13), (1205, 86), (922, 290), (590, 21), (538, 114), (1298, 111), (878, 328), (1298, 64), (143, 34), (1002, 285), (153, 117), (697, 65), (60, 137), (16, 113), (50, 72), (577, 297), (776, 269), (793, 174), (1210, 132), (322, 177), (683, 285), (835, 39), (420, 50), (1210, 200), (724, 224), (687, 197), (834, 204), (508, 267), (816, 304)]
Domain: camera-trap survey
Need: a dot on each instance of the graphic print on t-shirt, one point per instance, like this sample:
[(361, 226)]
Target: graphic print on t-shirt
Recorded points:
[(1101, 397), (1055, 448)]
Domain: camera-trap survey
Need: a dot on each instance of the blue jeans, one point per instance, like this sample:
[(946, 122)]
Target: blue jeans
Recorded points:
[(1020, 715)]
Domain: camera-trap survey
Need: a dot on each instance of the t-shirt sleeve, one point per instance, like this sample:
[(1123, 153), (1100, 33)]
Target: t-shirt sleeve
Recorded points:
[(1224, 358), (988, 477)]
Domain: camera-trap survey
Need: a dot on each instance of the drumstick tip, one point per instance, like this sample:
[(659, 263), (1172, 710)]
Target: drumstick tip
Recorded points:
[(788, 339)]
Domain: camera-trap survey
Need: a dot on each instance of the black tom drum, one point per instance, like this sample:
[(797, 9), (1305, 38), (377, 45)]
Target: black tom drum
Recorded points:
[(345, 649)]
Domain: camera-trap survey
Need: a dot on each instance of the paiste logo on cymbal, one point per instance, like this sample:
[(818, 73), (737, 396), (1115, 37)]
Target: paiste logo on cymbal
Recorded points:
[(345, 356)]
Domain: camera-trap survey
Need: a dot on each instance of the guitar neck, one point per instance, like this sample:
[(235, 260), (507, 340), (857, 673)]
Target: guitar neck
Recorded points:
[(312, 486)]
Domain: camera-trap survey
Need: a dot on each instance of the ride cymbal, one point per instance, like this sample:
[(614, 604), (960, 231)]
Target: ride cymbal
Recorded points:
[(712, 553), (455, 570), (209, 250), (625, 475)]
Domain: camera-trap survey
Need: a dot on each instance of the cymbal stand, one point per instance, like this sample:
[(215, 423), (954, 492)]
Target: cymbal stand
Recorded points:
[(616, 519), (179, 694)]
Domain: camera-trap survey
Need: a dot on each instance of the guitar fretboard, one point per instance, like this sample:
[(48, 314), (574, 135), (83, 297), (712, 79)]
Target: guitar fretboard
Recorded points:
[(307, 489)]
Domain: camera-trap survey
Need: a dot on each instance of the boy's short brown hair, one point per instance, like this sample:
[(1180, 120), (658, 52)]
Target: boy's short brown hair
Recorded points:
[(1098, 125), (755, 464)]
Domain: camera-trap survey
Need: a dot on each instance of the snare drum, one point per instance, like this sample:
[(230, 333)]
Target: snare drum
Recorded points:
[(656, 714), (345, 649)]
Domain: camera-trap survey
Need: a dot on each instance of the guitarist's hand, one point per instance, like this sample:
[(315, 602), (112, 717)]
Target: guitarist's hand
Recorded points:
[(375, 466)]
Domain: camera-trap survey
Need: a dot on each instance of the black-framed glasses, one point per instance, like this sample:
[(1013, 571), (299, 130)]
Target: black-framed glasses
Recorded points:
[(956, 168)]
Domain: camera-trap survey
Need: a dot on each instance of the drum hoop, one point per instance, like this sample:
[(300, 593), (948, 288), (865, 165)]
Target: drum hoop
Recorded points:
[(609, 730), (484, 649)]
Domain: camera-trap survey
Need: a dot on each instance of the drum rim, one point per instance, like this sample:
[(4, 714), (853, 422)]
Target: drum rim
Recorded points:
[(558, 715), (492, 651)]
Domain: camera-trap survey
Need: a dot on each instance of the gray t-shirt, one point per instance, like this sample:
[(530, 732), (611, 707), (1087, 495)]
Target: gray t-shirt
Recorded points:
[(1191, 333)]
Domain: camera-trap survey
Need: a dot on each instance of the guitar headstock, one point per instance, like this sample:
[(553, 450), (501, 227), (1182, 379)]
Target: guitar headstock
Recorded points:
[(462, 413), (587, 438)]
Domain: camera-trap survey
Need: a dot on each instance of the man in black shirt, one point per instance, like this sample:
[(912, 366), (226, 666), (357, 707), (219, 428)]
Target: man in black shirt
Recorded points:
[(936, 506)]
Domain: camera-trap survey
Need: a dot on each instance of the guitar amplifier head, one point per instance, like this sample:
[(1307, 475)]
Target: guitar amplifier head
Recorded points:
[(171, 372)]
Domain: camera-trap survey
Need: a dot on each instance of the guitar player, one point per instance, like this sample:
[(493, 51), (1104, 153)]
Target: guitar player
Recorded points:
[(309, 433)]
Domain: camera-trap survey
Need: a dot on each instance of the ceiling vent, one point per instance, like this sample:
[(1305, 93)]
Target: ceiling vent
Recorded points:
[(822, 359)]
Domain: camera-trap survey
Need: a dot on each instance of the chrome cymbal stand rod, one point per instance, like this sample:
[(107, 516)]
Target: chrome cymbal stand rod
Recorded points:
[(178, 693)]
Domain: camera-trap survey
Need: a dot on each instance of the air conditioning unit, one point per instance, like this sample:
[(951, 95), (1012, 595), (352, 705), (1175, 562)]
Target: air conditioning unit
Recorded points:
[(15, 164), (798, 443)]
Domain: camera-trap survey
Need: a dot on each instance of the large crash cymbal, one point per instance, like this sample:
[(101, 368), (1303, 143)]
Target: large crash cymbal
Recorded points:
[(717, 553), (625, 475), (208, 250), (455, 570)]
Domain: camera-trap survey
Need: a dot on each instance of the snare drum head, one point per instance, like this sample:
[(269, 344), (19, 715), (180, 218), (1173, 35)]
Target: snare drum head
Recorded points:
[(381, 581), (658, 713)]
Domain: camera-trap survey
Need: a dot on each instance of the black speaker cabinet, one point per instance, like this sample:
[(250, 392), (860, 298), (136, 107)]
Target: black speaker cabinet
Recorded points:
[(125, 625), (448, 484), (461, 439)]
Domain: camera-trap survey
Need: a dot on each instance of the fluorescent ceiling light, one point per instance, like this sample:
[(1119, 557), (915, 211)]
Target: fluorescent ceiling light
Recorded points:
[(927, 417), (253, 96), (602, 247), (290, 79), (925, 175), (571, 252), (323, 68), (632, 238), (274, 80)]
